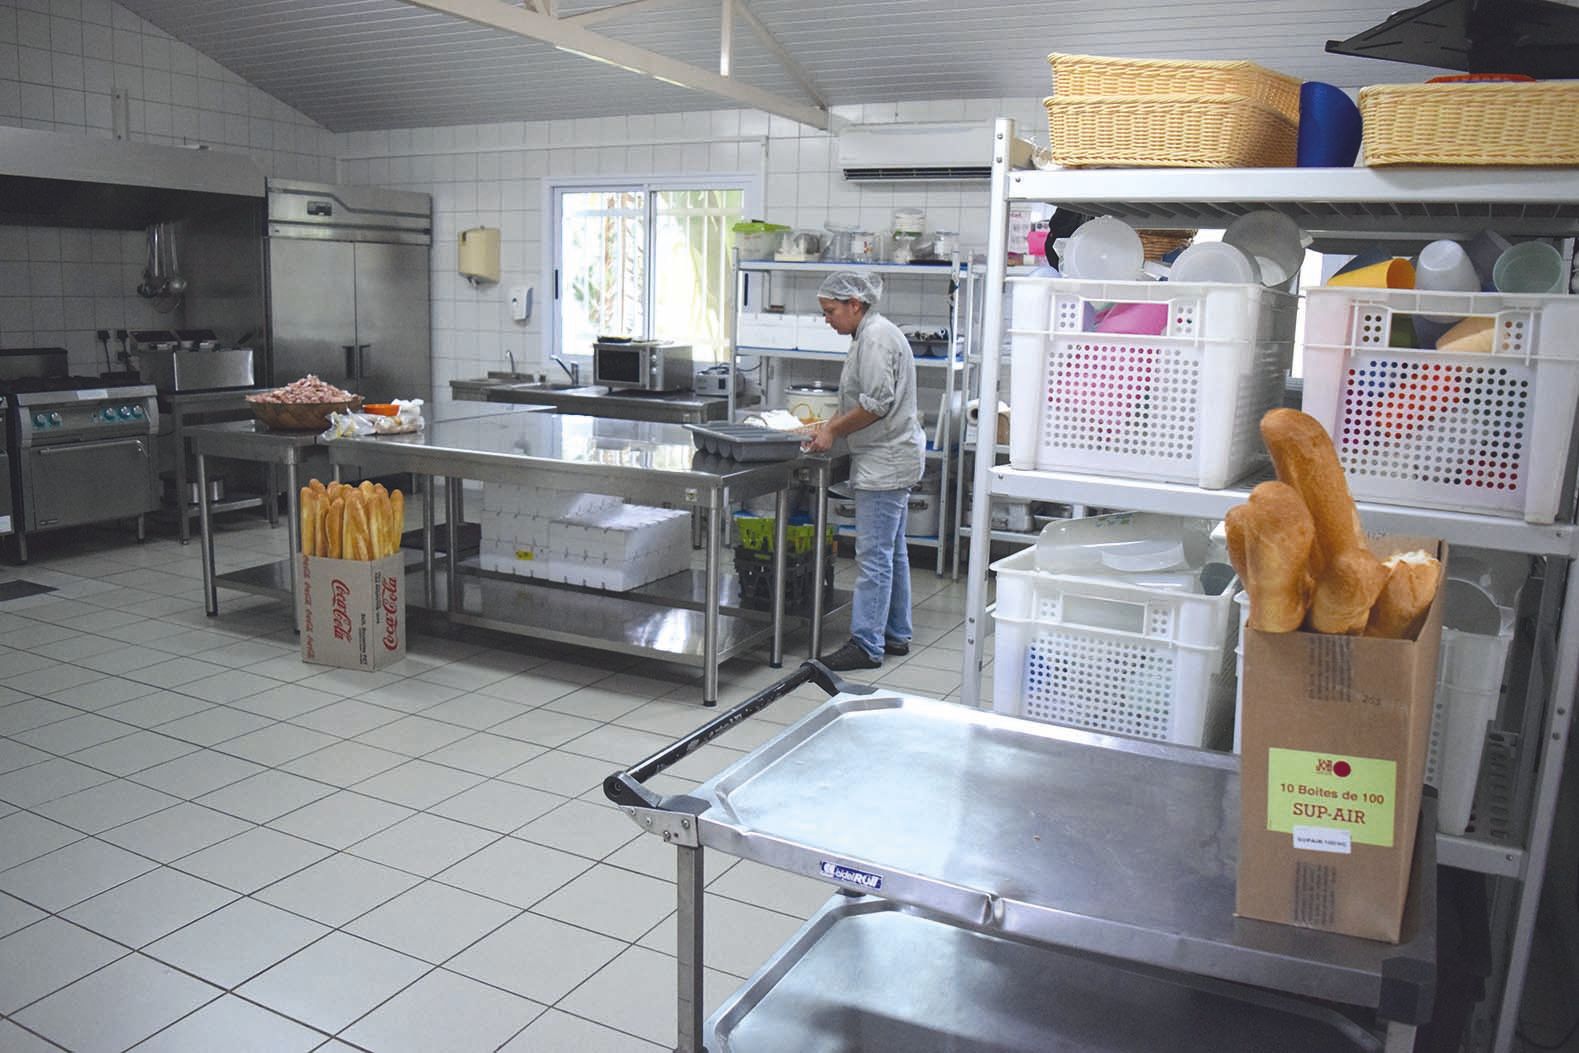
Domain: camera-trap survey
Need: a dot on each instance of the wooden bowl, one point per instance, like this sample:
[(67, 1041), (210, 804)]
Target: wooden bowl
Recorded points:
[(300, 416)]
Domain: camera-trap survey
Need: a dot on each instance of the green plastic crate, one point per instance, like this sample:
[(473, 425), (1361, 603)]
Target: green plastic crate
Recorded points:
[(756, 534)]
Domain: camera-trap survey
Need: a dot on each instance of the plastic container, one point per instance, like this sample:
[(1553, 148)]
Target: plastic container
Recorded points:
[(1184, 406), (1108, 657), (909, 220), (1127, 542), (757, 240), (1273, 241), (1463, 431)]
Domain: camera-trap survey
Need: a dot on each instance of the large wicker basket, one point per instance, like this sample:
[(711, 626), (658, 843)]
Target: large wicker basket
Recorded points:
[(1169, 131), (1158, 243), (1471, 124), (300, 416), (1086, 76)]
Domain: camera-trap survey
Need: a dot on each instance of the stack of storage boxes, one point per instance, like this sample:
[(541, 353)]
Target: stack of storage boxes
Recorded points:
[(592, 540)]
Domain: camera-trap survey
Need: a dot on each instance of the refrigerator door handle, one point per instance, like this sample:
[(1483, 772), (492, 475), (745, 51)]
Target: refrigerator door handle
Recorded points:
[(350, 360), (361, 359)]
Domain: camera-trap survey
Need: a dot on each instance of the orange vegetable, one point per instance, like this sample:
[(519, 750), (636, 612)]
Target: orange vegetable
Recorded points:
[(380, 409)]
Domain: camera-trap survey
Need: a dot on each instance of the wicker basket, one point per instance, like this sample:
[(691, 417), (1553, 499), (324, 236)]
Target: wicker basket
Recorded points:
[(1085, 76), (300, 416), (1471, 124), (1158, 243), (1169, 131)]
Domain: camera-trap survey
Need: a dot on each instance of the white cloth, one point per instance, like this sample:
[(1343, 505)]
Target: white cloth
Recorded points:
[(880, 376)]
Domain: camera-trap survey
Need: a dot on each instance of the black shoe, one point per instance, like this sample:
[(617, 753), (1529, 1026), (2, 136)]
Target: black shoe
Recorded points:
[(896, 647), (851, 656)]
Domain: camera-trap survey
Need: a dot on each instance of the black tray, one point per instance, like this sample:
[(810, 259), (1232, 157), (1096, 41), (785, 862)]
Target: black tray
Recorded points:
[(745, 442)]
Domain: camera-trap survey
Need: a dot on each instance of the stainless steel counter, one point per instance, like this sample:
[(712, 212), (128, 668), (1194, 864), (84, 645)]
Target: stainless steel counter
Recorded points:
[(643, 462), (595, 401)]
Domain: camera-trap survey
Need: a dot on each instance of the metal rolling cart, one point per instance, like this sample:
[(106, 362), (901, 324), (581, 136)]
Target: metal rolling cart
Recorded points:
[(1006, 885), (1346, 210), (692, 617)]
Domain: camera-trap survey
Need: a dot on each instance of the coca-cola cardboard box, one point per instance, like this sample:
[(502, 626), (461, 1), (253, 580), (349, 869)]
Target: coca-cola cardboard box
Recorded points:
[(353, 612)]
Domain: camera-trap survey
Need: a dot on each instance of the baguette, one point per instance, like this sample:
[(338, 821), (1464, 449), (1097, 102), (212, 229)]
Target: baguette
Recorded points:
[(357, 541), (317, 485), (1346, 591), (397, 517), (334, 528), (1305, 459), (367, 488), (1412, 580), (1269, 544), (310, 518), (384, 516)]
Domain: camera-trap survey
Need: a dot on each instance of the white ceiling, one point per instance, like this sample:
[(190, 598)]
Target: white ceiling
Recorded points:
[(368, 64)]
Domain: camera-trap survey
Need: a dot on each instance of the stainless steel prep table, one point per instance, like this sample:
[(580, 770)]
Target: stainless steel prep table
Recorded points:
[(187, 410), (592, 400), (1090, 844), (249, 440), (643, 462)]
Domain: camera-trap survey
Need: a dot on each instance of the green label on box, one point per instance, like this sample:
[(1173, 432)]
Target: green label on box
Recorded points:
[(1311, 792)]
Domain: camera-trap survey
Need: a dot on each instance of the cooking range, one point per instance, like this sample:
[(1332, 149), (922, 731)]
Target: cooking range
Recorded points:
[(78, 450)]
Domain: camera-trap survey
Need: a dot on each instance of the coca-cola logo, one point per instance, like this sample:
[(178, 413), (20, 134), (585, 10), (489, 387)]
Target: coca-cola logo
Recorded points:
[(390, 596), (342, 616)]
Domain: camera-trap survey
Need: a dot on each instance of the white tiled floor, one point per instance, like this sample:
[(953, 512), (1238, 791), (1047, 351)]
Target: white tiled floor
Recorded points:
[(207, 846)]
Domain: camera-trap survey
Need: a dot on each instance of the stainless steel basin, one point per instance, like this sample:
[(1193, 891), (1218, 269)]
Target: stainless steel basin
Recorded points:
[(523, 378)]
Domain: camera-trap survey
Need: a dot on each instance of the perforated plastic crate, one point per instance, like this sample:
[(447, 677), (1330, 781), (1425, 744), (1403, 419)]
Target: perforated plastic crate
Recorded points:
[(1182, 406), (1109, 657), (1465, 431)]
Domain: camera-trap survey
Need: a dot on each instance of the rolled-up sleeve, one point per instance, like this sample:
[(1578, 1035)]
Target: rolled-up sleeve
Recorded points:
[(878, 372)]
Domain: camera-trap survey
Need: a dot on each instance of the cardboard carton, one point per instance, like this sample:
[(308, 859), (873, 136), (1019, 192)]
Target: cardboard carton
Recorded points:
[(353, 612), (1335, 731)]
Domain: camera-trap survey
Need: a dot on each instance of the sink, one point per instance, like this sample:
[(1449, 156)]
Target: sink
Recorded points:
[(523, 378), (560, 388)]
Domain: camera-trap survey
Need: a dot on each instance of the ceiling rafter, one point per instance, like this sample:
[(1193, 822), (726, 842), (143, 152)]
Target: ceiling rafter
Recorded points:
[(566, 36), (791, 66), (620, 10)]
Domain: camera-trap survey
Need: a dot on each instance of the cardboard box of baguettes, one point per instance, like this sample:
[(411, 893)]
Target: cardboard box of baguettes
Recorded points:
[(1338, 680), (352, 600)]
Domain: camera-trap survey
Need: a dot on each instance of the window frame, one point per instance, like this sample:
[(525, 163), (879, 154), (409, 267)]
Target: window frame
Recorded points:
[(748, 183)]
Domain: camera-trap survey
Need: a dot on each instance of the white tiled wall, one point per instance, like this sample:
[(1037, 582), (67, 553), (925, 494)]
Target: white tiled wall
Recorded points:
[(494, 175), (62, 60)]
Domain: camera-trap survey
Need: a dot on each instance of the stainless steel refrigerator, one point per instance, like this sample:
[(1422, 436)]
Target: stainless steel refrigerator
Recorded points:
[(348, 288)]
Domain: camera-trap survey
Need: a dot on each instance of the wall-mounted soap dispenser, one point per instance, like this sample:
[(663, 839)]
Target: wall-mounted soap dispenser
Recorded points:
[(477, 255)]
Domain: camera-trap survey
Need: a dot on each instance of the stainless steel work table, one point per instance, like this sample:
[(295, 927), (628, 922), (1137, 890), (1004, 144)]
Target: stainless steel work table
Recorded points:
[(594, 400), (642, 462), (251, 441), (1024, 832)]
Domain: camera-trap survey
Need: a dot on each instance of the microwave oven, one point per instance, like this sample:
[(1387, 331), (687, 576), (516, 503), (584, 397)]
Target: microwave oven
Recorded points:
[(642, 365)]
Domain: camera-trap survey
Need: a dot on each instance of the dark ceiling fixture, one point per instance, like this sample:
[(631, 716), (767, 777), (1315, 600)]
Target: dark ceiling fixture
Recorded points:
[(1537, 38)]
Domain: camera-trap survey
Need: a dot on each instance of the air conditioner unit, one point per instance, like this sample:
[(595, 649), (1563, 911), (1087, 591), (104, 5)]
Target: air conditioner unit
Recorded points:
[(916, 153)]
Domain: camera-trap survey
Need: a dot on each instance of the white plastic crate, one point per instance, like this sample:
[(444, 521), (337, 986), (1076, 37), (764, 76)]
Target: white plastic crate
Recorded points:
[(1181, 407), (1112, 658), (1469, 684), (1462, 431)]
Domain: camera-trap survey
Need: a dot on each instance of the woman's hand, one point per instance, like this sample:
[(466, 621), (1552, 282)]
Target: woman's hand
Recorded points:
[(819, 439)]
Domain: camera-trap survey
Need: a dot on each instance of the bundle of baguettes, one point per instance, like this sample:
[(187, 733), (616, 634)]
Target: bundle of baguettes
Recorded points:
[(361, 522), (1300, 551)]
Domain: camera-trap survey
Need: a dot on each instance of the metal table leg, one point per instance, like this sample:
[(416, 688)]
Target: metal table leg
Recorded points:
[(717, 503), (184, 522), (453, 513), (819, 563), (293, 538), (271, 500), (426, 482), (205, 526), (780, 559), (688, 947)]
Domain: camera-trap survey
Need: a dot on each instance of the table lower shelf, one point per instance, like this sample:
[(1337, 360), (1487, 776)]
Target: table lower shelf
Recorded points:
[(863, 975)]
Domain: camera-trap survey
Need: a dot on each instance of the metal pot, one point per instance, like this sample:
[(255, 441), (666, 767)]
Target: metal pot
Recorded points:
[(812, 402), (216, 490)]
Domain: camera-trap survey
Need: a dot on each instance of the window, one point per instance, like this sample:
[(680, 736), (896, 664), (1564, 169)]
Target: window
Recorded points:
[(645, 259)]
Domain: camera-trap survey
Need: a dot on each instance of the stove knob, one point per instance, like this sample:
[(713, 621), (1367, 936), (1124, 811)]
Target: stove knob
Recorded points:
[(126, 413), (107, 414), (54, 420), (40, 421), (137, 413)]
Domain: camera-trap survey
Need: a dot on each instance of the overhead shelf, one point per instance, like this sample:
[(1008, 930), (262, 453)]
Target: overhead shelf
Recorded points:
[(1423, 201), (1142, 495), (824, 266), (832, 356)]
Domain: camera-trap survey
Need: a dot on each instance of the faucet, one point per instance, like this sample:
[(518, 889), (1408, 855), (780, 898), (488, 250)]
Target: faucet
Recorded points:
[(572, 371), (510, 357)]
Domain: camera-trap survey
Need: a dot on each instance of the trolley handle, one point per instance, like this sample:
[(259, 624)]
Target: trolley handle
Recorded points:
[(625, 787)]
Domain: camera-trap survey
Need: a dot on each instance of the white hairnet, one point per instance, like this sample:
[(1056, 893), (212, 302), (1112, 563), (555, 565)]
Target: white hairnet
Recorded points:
[(848, 285)]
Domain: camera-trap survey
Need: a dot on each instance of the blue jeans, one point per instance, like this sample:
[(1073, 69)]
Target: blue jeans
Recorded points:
[(881, 607)]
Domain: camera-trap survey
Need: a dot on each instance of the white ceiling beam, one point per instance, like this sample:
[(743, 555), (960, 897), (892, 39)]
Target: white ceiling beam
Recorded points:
[(726, 38), (603, 14), (562, 34), (788, 61)]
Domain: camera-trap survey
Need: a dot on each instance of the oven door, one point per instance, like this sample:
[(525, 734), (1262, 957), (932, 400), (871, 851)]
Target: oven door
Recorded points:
[(88, 482), (622, 367)]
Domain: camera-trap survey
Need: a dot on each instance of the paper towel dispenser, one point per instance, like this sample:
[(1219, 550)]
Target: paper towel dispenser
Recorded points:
[(477, 255)]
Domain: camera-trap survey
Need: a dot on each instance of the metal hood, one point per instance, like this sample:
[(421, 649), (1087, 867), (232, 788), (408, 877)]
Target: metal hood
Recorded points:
[(59, 180)]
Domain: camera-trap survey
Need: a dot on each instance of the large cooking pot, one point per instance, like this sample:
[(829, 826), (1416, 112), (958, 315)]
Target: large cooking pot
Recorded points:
[(812, 402)]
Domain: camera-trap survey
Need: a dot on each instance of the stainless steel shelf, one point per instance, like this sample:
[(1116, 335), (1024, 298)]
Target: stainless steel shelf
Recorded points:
[(863, 974), (1457, 528), (265, 579), (832, 356), (1003, 535), (1456, 201), (919, 270), (234, 503)]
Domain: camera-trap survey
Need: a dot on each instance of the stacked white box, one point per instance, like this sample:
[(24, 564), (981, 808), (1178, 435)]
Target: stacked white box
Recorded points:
[(592, 540), (812, 333)]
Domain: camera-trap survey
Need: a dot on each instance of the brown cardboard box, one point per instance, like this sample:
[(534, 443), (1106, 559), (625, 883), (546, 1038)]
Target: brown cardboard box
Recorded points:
[(1334, 739), (353, 612)]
